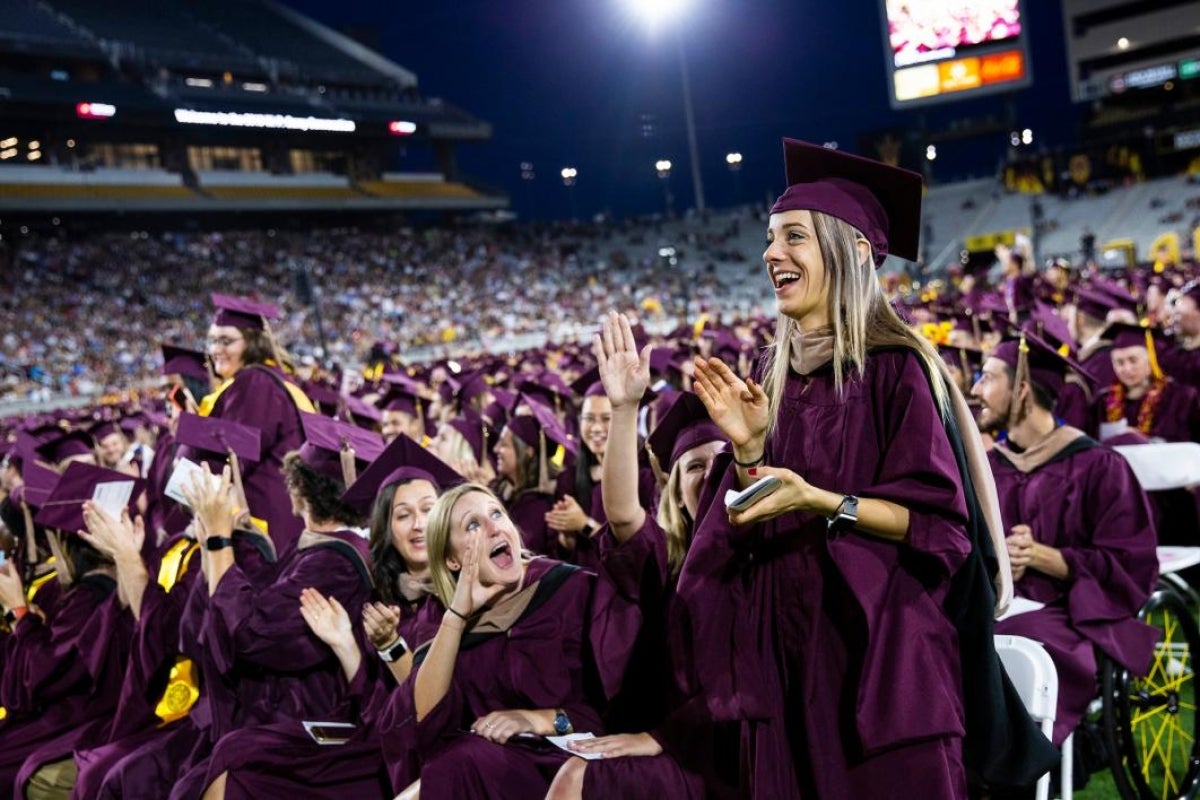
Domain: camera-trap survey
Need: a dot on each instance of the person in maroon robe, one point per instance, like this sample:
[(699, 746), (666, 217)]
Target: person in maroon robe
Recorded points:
[(61, 669), (510, 662), (1143, 404), (255, 392), (642, 554), (1091, 310), (820, 614), (1081, 539), (255, 636)]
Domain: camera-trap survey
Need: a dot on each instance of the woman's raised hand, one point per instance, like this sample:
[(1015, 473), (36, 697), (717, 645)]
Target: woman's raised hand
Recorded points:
[(470, 595), (326, 618), (624, 372), (740, 408), (212, 503)]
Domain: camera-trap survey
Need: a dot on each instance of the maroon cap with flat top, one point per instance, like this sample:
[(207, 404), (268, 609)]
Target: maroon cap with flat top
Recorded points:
[(219, 436), (184, 362), (881, 201), (63, 508), (325, 440), (242, 313), (1047, 367), (402, 460), (685, 425)]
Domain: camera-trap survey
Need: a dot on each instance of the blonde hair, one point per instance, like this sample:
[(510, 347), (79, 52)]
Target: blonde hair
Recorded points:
[(861, 317), (674, 519), (437, 538)]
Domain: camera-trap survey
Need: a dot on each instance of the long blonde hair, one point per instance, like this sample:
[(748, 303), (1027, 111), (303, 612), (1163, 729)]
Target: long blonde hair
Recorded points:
[(437, 538), (674, 519), (860, 314)]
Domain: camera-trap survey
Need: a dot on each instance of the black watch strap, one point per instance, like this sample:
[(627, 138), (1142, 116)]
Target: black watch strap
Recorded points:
[(214, 543)]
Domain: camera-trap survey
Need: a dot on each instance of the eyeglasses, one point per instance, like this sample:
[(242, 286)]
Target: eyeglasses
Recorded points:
[(222, 341)]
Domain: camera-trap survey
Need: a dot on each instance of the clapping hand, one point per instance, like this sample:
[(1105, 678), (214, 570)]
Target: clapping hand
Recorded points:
[(326, 618), (381, 622), (112, 537), (739, 408), (567, 516), (212, 505)]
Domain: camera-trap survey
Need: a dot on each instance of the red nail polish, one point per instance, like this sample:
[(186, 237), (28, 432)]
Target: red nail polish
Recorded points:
[(753, 471)]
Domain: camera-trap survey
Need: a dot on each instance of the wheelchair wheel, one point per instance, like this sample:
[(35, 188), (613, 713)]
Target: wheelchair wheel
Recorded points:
[(1150, 722)]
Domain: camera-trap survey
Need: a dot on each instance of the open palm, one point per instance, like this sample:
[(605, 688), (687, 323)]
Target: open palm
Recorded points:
[(740, 408), (624, 372)]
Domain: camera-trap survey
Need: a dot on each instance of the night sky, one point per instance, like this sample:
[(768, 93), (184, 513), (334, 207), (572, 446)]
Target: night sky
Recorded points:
[(577, 82)]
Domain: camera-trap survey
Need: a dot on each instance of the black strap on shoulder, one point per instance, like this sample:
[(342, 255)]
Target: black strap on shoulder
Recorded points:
[(548, 584), (349, 552)]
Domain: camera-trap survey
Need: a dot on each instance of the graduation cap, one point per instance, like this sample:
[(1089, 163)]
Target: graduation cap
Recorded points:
[(685, 425), (882, 202), (243, 313), (472, 386), (540, 424), (184, 362), (1095, 304), (219, 436), (104, 429), (1044, 322), (402, 395), (37, 482), (475, 430), (549, 386), (360, 412), (1118, 293), (63, 507), (325, 396), (67, 445), (402, 460), (337, 450), (588, 384), (1032, 356)]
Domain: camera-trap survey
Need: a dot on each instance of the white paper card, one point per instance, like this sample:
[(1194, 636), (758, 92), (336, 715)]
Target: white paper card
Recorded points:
[(1171, 465), (561, 743), (181, 478), (1110, 429), (113, 496), (1021, 605)]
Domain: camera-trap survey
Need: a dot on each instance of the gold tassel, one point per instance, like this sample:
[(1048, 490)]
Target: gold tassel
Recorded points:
[(61, 565), (1155, 369), (349, 467), (656, 467), (1016, 415), (31, 553)]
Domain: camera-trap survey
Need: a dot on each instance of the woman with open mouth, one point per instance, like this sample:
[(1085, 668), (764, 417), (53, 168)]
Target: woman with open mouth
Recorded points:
[(509, 664)]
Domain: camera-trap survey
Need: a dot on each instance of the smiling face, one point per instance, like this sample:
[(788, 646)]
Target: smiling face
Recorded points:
[(227, 349), (479, 513), (594, 421), (506, 456), (695, 465), (797, 268), (112, 449), (410, 510)]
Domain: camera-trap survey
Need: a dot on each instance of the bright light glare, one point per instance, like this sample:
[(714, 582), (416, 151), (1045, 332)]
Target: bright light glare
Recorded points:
[(662, 166), (657, 12)]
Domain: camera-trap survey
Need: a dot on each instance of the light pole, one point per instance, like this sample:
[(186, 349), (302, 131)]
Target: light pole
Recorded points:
[(568, 178), (654, 13), (527, 177), (663, 168), (734, 161)]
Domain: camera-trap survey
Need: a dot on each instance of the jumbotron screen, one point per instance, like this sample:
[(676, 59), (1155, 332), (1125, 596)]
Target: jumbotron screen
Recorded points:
[(952, 49)]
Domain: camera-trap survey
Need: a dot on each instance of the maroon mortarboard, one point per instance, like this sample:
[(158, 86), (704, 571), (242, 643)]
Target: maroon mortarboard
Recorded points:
[(1123, 334), (184, 362), (74, 443), (549, 386), (473, 385), (37, 482), (1050, 326), (541, 421), (685, 425), (1047, 367), (661, 358), (326, 440), (131, 422), (992, 303), (219, 436), (325, 396), (360, 412), (63, 508), (403, 396), (1119, 294), (967, 359), (588, 384), (105, 428), (402, 460), (449, 389), (496, 414), (881, 201), (475, 430), (242, 312), (1095, 304)]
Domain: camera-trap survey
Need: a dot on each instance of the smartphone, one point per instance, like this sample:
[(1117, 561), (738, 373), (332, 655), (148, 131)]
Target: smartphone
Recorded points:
[(330, 732), (740, 501)]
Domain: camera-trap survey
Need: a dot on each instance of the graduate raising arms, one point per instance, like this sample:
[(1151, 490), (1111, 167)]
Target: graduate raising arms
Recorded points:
[(819, 613)]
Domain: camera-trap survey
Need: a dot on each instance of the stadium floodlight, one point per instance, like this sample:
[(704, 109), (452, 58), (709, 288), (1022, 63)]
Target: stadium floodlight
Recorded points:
[(7, 154), (654, 13), (663, 167), (1122, 43), (1027, 137), (568, 175), (931, 152), (9, 142)]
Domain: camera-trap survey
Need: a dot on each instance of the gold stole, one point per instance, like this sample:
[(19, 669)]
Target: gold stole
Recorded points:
[(183, 687)]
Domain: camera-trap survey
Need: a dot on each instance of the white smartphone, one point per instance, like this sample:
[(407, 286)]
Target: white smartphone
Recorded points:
[(329, 733), (740, 501)]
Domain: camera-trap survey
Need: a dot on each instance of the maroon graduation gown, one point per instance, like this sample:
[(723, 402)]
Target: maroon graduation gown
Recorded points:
[(257, 398), (833, 649), (528, 512), (541, 662), (60, 679), (1086, 502), (1181, 364)]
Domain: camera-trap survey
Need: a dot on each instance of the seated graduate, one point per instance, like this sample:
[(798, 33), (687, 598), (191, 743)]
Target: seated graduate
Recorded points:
[(511, 661), (402, 485), (1081, 540), (642, 554), (61, 668), (154, 729)]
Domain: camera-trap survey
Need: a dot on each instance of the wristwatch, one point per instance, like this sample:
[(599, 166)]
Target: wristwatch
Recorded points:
[(562, 723), (395, 651), (846, 516), (214, 543)]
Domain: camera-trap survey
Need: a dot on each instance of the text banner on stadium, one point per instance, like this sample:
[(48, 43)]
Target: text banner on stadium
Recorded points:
[(236, 119)]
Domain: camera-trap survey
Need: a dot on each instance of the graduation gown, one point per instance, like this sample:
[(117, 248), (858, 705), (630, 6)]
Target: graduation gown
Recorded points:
[(546, 659), (1181, 364), (528, 512), (257, 397), (833, 649), (1085, 501), (60, 679), (587, 550)]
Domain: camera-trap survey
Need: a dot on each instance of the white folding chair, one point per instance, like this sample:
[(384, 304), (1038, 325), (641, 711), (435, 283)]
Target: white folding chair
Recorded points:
[(1032, 672)]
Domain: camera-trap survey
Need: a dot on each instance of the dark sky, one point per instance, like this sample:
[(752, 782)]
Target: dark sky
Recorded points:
[(571, 82)]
